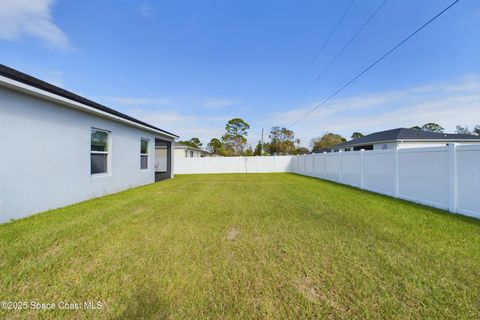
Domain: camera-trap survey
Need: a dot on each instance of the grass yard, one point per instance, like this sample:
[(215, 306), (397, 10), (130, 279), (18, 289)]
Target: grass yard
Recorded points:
[(244, 246)]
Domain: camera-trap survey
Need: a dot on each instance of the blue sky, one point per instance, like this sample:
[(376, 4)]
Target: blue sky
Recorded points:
[(189, 66)]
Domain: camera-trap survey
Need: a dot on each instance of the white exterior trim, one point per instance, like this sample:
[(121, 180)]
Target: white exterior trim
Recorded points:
[(25, 88)]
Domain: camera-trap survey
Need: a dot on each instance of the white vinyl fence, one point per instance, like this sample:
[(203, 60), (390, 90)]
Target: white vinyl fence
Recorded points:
[(233, 164), (443, 177)]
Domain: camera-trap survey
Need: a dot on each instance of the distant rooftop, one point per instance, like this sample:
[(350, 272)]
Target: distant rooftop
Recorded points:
[(405, 134), (180, 145)]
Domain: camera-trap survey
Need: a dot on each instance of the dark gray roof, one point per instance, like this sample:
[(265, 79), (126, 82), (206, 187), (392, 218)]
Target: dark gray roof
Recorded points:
[(181, 145), (406, 134), (37, 83)]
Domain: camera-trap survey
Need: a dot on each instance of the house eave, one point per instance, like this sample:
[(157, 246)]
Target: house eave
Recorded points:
[(408, 140), (181, 147), (39, 93)]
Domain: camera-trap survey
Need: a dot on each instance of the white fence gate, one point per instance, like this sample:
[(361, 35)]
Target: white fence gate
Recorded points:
[(443, 177)]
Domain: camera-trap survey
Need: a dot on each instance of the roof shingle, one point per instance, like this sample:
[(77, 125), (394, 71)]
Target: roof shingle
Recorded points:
[(406, 134), (40, 84)]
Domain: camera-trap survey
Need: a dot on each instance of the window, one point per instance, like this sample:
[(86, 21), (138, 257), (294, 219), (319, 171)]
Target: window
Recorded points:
[(144, 154), (99, 151), (347, 149), (191, 154), (365, 147)]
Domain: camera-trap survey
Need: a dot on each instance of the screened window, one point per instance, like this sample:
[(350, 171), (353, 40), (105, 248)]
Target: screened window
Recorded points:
[(144, 154), (99, 151)]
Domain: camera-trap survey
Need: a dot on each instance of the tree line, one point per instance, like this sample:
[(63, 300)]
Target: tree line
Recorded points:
[(282, 141)]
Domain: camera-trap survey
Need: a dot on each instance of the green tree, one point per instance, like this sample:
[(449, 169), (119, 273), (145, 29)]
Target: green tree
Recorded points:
[(301, 150), (326, 141), (235, 137), (248, 152), (215, 146), (194, 143), (258, 149), (432, 127), (462, 130), (476, 130), (357, 135), (282, 141)]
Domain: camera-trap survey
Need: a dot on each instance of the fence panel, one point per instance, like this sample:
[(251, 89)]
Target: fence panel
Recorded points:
[(468, 180), (379, 171), (332, 166), (351, 168), (309, 164), (423, 176), (283, 164), (319, 161)]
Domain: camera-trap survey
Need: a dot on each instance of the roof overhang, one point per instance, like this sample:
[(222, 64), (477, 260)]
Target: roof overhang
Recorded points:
[(407, 140), (39, 93), (181, 146)]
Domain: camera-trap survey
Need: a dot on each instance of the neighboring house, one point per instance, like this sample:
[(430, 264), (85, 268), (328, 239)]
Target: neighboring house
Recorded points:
[(403, 138), (183, 151), (59, 148)]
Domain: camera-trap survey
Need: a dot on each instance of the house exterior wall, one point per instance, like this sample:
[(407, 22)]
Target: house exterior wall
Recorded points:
[(179, 153), (185, 153), (385, 146), (45, 161), (422, 144), (196, 154), (410, 144)]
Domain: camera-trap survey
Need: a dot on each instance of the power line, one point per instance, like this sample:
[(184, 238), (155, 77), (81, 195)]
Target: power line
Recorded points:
[(315, 57), (374, 63), (346, 45)]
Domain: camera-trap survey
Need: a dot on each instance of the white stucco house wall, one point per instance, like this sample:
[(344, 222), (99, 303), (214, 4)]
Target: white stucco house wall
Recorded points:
[(59, 148), (183, 151), (404, 138)]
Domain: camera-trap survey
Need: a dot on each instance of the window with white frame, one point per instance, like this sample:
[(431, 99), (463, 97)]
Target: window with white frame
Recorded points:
[(99, 151), (144, 154)]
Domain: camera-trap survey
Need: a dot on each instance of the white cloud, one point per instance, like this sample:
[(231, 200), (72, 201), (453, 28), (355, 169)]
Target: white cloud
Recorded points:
[(31, 17), (448, 104)]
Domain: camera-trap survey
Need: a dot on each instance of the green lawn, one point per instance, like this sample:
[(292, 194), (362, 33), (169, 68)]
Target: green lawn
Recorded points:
[(244, 246)]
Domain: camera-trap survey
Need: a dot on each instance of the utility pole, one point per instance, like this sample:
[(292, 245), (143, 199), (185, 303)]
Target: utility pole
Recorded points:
[(261, 148)]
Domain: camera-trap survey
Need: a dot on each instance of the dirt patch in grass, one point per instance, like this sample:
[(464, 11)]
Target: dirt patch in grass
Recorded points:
[(233, 234), (307, 289), (304, 286)]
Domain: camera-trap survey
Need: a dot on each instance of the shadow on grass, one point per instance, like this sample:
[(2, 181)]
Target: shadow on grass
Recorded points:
[(145, 304)]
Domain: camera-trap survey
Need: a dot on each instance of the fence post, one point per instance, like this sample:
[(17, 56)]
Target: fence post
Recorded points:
[(452, 168), (324, 174), (362, 168), (313, 164), (395, 174), (340, 169)]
